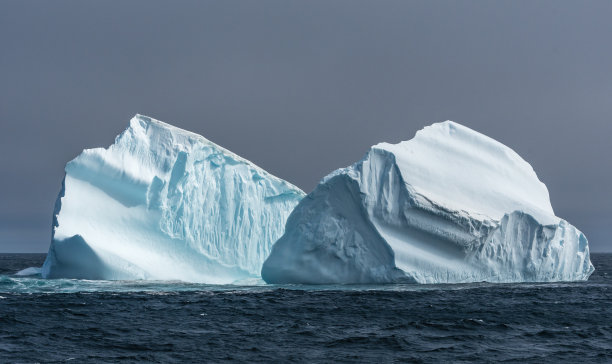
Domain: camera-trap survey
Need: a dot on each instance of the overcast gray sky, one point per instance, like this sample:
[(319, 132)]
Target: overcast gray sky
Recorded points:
[(304, 87)]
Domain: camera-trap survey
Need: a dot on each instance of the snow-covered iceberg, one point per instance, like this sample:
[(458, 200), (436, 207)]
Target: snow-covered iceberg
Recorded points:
[(451, 205), (164, 203)]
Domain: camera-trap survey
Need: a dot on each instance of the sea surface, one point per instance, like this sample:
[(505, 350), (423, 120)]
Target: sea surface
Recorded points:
[(53, 321)]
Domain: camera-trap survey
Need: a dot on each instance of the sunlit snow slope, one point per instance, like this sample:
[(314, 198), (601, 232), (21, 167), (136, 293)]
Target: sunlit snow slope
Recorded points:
[(164, 203), (451, 205)]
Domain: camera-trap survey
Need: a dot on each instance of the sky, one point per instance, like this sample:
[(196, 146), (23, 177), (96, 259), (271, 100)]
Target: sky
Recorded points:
[(305, 87)]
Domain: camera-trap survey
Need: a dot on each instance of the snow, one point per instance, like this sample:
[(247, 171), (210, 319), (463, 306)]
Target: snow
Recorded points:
[(163, 203), (29, 271), (449, 206)]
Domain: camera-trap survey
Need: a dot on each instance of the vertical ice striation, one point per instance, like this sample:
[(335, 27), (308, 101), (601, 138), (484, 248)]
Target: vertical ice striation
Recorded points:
[(451, 205), (164, 203)]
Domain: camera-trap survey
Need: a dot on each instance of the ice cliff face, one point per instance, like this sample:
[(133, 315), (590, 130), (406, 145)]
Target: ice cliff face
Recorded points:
[(449, 206), (164, 203)]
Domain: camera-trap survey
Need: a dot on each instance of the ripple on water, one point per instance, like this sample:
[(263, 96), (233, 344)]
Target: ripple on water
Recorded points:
[(143, 321)]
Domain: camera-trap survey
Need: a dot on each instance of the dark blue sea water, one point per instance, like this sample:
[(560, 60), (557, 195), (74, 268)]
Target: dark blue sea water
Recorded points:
[(50, 321)]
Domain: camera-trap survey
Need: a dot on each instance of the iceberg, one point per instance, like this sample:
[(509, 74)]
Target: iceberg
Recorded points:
[(163, 203), (449, 206)]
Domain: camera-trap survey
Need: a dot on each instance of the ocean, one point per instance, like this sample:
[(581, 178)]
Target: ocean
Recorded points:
[(54, 321)]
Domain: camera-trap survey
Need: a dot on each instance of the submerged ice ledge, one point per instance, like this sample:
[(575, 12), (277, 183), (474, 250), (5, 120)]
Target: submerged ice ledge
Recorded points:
[(163, 203)]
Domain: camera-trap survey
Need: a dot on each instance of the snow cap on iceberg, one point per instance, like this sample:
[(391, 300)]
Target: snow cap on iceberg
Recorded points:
[(465, 170), (165, 203), (450, 205)]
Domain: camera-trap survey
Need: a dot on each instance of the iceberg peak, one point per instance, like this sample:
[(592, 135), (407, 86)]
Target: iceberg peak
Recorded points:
[(450, 205), (466, 170), (165, 203)]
